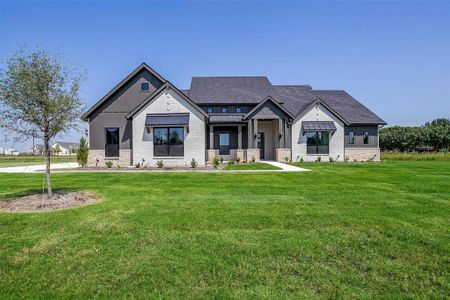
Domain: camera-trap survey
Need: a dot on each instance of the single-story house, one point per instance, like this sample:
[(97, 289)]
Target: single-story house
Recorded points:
[(146, 118), (64, 148)]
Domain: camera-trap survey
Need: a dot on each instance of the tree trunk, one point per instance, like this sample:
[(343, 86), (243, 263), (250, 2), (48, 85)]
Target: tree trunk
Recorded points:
[(47, 167)]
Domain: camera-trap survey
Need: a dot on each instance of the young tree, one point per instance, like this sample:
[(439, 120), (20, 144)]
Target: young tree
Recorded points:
[(40, 94), (57, 149), (82, 152)]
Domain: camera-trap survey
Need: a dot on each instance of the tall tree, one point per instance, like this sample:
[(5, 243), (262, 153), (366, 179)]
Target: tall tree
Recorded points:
[(39, 94), (438, 134)]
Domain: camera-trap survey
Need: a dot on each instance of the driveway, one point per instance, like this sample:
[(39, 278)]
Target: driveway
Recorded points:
[(36, 168)]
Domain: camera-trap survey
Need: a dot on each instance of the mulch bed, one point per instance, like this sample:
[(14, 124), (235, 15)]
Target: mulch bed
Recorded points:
[(40, 202)]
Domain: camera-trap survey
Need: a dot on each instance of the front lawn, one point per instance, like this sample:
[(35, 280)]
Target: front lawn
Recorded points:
[(14, 161), (251, 166), (375, 230)]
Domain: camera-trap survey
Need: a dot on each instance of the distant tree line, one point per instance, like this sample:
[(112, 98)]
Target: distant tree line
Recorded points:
[(435, 134)]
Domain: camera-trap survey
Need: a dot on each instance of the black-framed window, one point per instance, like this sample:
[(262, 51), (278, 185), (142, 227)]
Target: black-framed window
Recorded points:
[(224, 109), (238, 109), (209, 110), (168, 141), (224, 143), (112, 142), (145, 86), (351, 137), (317, 142), (365, 137)]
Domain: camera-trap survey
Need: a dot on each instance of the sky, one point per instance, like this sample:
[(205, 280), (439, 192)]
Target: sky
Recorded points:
[(394, 57)]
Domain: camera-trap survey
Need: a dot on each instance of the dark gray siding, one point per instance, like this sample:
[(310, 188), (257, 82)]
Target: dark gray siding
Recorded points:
[(233, 130), (358, 134), (230, 108), (112, 113), (268, 110)]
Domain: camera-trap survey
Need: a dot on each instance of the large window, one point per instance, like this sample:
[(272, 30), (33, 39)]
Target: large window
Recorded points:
[(112, 142), (317, 142), (351, 137), (224, 144), (366, 137), (168, 141)]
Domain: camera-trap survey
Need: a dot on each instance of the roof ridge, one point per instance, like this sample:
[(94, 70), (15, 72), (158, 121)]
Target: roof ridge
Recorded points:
[(231, 76), (330, 91)]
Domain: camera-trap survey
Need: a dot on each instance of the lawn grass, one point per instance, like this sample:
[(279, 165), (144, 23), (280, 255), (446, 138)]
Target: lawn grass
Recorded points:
[(13, 161), (440, 156), (375, 230), (251, 166)]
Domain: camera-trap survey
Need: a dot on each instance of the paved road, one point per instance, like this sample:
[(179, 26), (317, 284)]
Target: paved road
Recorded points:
[(286, 167), (35, 168)]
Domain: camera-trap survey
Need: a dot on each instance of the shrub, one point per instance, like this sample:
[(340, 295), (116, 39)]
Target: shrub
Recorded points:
[(238, 160), (82, 153), (194, 163), (108, 164), (286, 159), (160, 164), (441, 156), (137, 165), (253, 159), (215, 162), (231, 163), (346, 158), (331, 159), (301, 159), (221, 159), (319, 159)]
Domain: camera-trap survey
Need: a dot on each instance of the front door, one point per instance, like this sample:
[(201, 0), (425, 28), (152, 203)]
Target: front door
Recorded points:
[(261, 144)]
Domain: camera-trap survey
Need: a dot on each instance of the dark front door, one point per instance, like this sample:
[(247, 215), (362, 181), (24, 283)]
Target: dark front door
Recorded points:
[(261, 145)]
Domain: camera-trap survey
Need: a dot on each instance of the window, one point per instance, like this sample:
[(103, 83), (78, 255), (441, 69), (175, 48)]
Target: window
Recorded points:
[(209, 110), (351, 137), (238, 109), (224, 109), (112, 142), (145, 86), (366, 137), (224, 144), (168, 141), (317, 142)]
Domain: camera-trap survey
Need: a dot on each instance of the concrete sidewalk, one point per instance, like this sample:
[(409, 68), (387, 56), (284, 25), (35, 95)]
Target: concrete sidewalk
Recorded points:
[(36, 168), (285, 167)]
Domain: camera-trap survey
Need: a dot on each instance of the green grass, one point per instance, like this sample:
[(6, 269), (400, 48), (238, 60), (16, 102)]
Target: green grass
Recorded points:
[(375, 230), (251, 166), (415, 156), (13, 161)]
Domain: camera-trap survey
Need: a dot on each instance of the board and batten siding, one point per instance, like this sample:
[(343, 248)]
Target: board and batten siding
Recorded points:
[(113, 112), (169, 101), (317, 113)]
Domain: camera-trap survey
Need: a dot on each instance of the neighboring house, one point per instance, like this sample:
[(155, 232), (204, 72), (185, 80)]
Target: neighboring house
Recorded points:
[(2, 151), (145, 117), (11, 152), (65, 148), (38, 149)]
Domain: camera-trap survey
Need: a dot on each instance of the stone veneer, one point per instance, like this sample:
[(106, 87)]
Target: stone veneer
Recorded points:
[(253, 153), (362, 154), (282, 153), (123, 161)]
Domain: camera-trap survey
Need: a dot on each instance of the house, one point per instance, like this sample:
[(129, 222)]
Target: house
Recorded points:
[(64, 148), (146, 118), (11, 151)]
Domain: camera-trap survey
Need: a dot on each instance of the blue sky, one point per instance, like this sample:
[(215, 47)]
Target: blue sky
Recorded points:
[(392, 56)]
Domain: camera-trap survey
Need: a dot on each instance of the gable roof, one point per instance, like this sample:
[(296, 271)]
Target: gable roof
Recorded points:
[(268, 98), (229, 89), (165, 86), (317, 101), (141, 67)]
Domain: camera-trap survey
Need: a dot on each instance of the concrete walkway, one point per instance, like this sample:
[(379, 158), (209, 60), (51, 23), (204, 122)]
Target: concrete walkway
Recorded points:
[(35, 168), (285, 167)]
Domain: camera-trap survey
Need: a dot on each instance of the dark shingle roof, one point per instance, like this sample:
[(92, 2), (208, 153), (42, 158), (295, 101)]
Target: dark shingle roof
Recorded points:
[(295, 98), (229, 89), (222, 118), (348, 107)]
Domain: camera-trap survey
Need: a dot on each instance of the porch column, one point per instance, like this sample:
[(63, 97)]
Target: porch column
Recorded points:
[(239, 136), (287, 135), (255, 132), (249, 134), (281, 134), (211, 137)]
